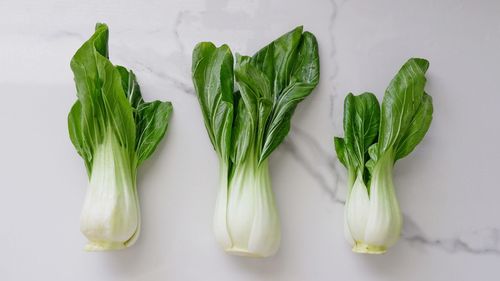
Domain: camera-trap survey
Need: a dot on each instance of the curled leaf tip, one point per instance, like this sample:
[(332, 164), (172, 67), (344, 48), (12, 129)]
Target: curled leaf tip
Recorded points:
[(422, 63)]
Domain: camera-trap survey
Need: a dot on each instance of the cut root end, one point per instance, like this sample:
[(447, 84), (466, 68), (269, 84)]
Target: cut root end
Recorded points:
[(104, 246), (243, 253), (368, 249)]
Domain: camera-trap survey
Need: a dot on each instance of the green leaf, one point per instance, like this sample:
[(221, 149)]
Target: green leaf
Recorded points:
[(277, 59), (361, 122), (212, 72), (243, 133), (406, 109), (152, 122), (86, 120), (76, 123), (417, 129), (256, 100), (151, 118), (296, 75), (103, 103), (372, 151), (341, 151), (130, 87)]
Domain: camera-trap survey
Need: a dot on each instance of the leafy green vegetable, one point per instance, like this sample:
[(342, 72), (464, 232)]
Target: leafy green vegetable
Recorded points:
[(361, 121), (374, 140), (245, 125), (114, 131)]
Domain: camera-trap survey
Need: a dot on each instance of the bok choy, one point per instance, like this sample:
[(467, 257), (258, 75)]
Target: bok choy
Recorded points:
[(245, 124), (374, 139), (114, 131)]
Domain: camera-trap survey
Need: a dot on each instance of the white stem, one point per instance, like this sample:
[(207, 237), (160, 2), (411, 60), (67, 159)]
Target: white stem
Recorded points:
[(110, 215), (252, 223)]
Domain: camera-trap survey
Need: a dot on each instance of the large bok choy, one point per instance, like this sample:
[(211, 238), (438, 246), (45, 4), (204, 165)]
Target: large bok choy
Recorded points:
[(374, 139), (114, 131), (245, 124)]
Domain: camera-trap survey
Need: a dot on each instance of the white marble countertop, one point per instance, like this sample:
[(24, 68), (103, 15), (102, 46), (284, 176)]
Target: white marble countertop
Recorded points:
[(448, 187)]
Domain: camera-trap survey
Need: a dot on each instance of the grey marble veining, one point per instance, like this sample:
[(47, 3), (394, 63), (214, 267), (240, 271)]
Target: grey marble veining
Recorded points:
[(477, 242)]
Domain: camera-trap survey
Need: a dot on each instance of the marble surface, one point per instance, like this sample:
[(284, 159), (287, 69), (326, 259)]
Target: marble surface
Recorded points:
[(448, 188)]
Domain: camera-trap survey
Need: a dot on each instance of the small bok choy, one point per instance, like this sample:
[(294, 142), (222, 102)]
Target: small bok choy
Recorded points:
[(114, 131), (246, 124), (374, 139)]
